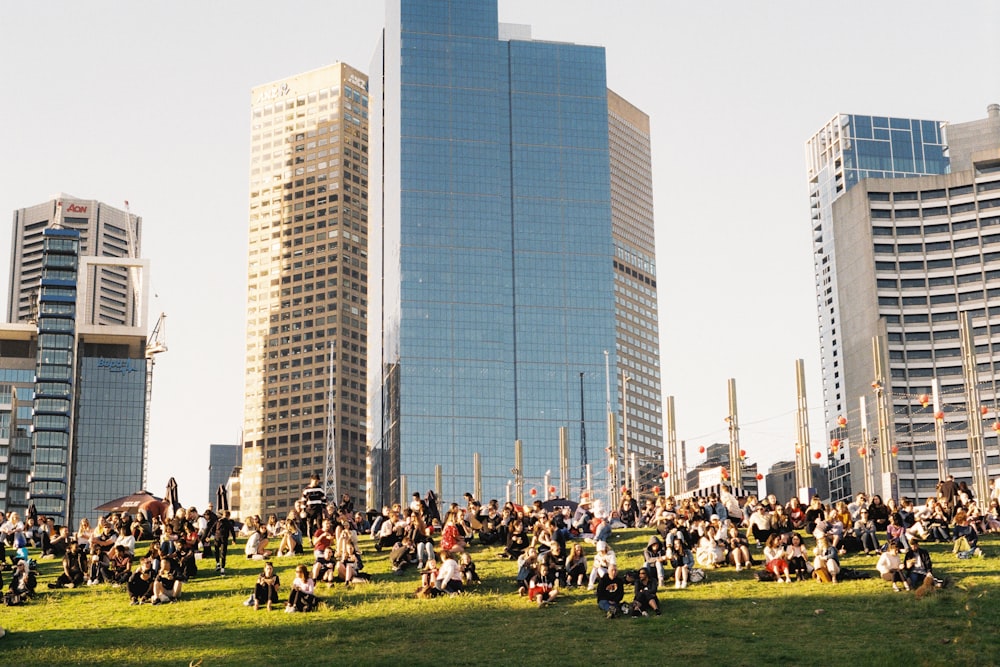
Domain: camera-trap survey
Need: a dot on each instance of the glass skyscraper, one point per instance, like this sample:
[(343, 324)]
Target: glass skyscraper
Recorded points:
[(492, 303)]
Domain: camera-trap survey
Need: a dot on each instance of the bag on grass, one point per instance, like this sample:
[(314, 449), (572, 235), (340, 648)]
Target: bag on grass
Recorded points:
[(763, 575)]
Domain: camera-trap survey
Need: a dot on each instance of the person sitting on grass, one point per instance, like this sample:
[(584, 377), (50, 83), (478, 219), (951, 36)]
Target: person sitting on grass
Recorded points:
[(119, 564), (449, 575), (814, 513), (759, 526), (826, 564), (256, 546), (140, 583), (74, 568), (451, 539), (349, 564), (604, 557), (610, 591), (23, 582), (710, 553), (468, 569), (527, 565), (796, 513), (963, 528), (168, 583), (97, 567), (325, 567), (302, 596), (774, 560), (265, 591), (324, 537), (542, 588), (796, 554), (866, 532), (681, 561), (739, 549), (890, 567), (918, 564), (290, 539), (517, 538), (576, 565), (403, 555), (58, 543), (645, 600)]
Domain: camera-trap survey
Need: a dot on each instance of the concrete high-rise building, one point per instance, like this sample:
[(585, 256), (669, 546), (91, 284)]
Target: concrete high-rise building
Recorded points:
[(512, 249), (105, 231), (780, 480), (307, 299), (848, 149), (636, 309), (911, 258)]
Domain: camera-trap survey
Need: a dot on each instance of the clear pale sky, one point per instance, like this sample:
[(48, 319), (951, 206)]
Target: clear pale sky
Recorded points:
[(149, 102)]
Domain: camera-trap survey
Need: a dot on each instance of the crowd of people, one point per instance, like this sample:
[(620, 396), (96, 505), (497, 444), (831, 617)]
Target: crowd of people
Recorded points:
[(569, 545)]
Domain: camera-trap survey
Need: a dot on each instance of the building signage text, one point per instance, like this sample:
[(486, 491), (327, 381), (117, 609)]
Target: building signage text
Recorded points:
[(123, 366), (273, 93), (76, 208)]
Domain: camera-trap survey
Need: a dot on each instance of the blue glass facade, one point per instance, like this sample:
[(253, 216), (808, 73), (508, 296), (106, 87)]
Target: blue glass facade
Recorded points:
[(53, 406), (491, 231), (108, 432), (883, 147)]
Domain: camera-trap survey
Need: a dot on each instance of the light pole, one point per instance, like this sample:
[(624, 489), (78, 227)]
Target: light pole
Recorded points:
[(625, 454)]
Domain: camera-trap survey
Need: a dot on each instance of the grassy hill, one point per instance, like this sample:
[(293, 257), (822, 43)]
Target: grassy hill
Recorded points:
[(730, 619)]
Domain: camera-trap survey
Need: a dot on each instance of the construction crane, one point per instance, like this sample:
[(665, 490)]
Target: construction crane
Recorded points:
[(155, 344)]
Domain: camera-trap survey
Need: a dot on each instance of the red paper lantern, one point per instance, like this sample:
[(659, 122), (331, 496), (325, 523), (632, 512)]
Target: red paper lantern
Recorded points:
[(664, 474), (701, 450), (895, 450), (656, 490), (983, 410), (585, 495), (862, 451), (759, 477), (743, 453), (725, 474), (818, 455), (834, 444), (533, 492), (552, 489), (924, 400), (798, 450), (996, 426), (842, 421), (624, 488), (939, 415)]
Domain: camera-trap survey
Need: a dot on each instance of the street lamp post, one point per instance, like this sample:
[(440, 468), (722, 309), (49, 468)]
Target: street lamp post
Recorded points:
[(629, 482)]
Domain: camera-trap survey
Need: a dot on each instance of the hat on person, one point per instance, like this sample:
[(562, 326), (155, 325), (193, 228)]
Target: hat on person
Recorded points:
[(715, 517), (602, 545)]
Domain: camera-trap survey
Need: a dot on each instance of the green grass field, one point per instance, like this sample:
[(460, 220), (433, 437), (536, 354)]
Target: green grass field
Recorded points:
[(728, 620)]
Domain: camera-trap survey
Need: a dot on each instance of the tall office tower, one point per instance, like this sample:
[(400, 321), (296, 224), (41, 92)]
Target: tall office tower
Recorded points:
[(307, 302), (495, 353), (848, 149), (914, 258), (105, 231), (222, 460), (77, 388), (17, 386), (636, 311)]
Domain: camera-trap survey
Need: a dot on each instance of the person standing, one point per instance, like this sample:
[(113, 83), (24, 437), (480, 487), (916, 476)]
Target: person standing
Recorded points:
[(314, 498), (225, 531)]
